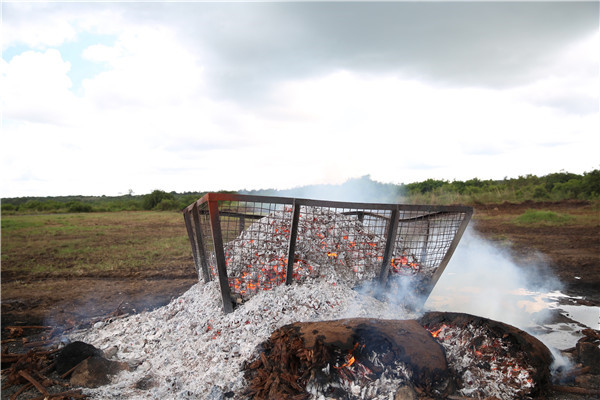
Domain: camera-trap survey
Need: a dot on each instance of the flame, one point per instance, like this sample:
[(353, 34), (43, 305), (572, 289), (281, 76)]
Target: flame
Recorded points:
[(437, 332), (332, 254), (349, 358)]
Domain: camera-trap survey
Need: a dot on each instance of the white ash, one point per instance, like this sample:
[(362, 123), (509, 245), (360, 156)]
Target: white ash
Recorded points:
[(190, 348), (363, 386), (488, 370)]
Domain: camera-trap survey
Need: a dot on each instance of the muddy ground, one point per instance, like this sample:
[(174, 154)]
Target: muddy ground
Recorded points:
[(572, 253)]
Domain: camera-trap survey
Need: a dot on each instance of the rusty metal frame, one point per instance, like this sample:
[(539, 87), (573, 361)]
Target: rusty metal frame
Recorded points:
[(194, 229)]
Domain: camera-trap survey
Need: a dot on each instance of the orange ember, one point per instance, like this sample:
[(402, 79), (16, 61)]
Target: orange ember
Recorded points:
[(436, 333)]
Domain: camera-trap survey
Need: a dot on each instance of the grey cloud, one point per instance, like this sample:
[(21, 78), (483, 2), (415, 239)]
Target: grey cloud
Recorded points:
[(251, 45), (246, 47)]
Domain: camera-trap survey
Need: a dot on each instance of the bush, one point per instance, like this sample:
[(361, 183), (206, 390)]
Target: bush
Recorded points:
[(540, 192), (591, 182), (9, 207), (77, 206), (153, 199), (167, 205)]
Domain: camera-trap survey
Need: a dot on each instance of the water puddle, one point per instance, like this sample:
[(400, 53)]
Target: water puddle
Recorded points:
[(543, 314)]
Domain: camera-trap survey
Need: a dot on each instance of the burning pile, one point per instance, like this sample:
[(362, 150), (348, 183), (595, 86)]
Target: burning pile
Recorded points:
[(189, 349), (293, 344), (371, 359), (352, 359), (330, 246), (490, 358)]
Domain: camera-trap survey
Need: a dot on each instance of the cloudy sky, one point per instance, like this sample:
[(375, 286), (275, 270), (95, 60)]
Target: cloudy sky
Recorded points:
[(106, 97)]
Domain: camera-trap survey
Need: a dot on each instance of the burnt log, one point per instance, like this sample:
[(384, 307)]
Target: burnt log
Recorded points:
[(352, 353), (96, 371), (74, 353), (588, 350)]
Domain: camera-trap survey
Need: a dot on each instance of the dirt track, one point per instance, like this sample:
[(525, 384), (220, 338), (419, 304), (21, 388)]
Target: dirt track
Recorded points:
[(573, 253)]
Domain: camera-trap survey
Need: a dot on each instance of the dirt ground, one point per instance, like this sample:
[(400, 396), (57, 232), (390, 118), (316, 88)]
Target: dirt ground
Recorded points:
[(572, 253)]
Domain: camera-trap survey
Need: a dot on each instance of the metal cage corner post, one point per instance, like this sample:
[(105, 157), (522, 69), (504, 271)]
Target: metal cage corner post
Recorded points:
[(217, 235), (417, 240)]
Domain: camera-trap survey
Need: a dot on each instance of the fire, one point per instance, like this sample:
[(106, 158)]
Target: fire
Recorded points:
[(349, 362), (349, 359), (437, 332), (332, 254)]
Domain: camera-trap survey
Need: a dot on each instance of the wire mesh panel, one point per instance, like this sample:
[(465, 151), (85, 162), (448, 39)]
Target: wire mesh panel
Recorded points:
[(340, 244), (254, 243)]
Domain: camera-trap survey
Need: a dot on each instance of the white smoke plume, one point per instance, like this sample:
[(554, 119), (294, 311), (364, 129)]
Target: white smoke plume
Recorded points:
[(485, 280)]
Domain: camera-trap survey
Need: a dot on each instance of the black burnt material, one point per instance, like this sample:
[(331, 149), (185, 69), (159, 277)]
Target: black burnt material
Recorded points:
[(74, 353), (332, 355)]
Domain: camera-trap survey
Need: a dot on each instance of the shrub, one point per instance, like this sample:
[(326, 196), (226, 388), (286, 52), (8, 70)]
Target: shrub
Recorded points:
[(77, 206), (167, 205), (8, 207), (540, 192), (153, 199)]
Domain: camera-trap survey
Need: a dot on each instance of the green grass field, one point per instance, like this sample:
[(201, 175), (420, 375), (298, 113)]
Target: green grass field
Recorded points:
[(155, 243), (543, 217), (122, 243)]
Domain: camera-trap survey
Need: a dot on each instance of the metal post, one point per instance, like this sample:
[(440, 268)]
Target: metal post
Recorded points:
[(190, 232), (292, 245), (215, 224), (200, 243), (389, 245)]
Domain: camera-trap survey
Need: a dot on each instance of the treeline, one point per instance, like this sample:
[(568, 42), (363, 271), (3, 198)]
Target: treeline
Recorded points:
[(158, 200), (552, 187)]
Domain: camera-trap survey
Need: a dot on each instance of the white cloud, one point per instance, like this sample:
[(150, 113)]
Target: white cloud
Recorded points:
[(24, 24), (36, 88), (147, 67), (150, 118)]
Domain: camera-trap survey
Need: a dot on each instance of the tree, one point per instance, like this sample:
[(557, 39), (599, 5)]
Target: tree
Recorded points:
[(153, 199)]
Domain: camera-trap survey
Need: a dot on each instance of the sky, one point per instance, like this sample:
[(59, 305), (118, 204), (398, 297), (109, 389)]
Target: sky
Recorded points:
[(107, 98)]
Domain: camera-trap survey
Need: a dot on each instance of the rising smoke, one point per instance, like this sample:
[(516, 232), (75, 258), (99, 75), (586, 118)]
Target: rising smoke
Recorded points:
[(485, 280)]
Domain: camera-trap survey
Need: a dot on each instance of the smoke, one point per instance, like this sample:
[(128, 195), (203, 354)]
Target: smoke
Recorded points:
[(481, 278), (363, 189), (485, 280)]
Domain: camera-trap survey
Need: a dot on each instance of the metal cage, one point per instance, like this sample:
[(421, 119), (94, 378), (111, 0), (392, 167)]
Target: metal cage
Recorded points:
[(254, 243)]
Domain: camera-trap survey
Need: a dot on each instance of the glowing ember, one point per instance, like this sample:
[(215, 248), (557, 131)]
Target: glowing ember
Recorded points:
[(330, 246), (486, 365)]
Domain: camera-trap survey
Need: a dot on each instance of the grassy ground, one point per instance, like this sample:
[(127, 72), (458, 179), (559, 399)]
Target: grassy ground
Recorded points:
[(118, 243)]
